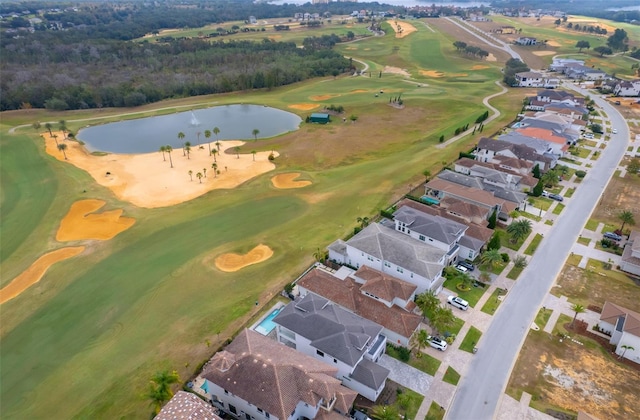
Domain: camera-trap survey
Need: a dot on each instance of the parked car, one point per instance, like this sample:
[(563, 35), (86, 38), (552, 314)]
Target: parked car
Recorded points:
[(461, 268), (589, 136), (466, 264), (359, 415), (613, 236), (458, 303), (545, 193), (556, 197), (437, 343), (614, 131)]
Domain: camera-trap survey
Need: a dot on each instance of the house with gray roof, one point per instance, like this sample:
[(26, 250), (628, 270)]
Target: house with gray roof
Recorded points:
[(318, 328), (631, 255), (585, 73), (488, 148), (432, 229), (496, 174), (515, 196), (627, 88), (556, 95), (257, 378), (395, 253)]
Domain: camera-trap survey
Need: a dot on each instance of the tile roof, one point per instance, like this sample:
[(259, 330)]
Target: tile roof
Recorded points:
[(402, 250), (513, 162), (434, 226), (455, 207), (187, 406), (611, 312), (475, 165), (543, 134), (472, 194), (329, 328), (520, 151), (632, 247), (348, 294), (371, 374), (383, 285), (276, 378), (474, 182)]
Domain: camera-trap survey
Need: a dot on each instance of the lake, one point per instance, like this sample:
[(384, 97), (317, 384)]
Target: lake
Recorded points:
[(236, 122)]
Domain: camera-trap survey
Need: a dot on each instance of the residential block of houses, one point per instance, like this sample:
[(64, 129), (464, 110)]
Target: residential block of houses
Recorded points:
[(624, 327), (258, 378), (318, 328)]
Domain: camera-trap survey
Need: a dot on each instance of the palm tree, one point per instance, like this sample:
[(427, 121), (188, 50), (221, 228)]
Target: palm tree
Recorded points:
[(63, 128), (550, 178), (214, 166), (419, 341), (191, 174), (237, 149), (204, 170), (216, 131), (218, 144), (253, 152), (169, 149), (578, 309), (427, 174), (214, 152), (48, 127), (55, 138), (626, 216), (187, 148), (427, 302), (36, 125), (199, 176), (255, 133), (519, 229), (180, 137), (319, 255), (62, 147), (157, 397), (384, 412), (442, 318), (364, 222), (207, 135), (161, 392), (624, 348), (162, 150), (491, 258)]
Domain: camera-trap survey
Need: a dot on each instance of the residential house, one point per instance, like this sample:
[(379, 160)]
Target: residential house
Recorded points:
[(257, 378), (441, 189), (585, 73), (495, 174), (316, 327), (562, 96), (553, 123), (371, 294), (489, 150), (395, 253), (187, 406), (623, 325), (513, 164), (631, 255), (568, 112), (560, 64), (533, 79), (627, 88), (253, 20), (525, 40)]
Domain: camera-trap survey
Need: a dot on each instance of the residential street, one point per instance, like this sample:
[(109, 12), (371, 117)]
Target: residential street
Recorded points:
[(480, 390)]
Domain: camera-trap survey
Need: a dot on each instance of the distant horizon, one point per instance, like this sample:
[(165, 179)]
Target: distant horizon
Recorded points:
[(406, 3)]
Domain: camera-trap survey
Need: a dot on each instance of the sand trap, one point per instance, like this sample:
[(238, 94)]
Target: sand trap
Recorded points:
[(491, 57), (34, 273), (234, 262), (79, 224), (359, 91), (431, 73), (395, 70), (323, 97), (402, 29), (303, 107), (479, 67), (146, 180), (543, 53), (286, 181), (553, 44)]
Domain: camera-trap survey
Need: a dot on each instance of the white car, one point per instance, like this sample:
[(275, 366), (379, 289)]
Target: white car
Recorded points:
[(614, 130), (458, 303), (461, 268), (437, 343)]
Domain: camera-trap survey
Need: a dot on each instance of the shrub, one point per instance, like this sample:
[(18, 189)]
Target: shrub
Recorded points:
[(581, 174), (505, 257)]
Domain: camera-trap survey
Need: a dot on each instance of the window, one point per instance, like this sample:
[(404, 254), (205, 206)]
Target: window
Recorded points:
[(247, 416), (386, 264), (266, 414), (335, 360), (226, 392), (259, 410), (232, 408), (319, 353), (422, 238), (399, 270)]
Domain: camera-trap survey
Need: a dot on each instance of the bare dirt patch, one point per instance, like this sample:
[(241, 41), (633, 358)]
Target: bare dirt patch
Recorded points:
[(432, 73), (479, 67), (79, 224), (323, 97), (620, 194), (555, 44), (402, 29), (491, 57), (286, 181), (147, 180), (36, 271), (233, 262), (303, 107), (395, 70), (359, 91), (544, 53)]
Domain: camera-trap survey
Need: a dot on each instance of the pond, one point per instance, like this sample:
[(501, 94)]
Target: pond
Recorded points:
[(236, 122)]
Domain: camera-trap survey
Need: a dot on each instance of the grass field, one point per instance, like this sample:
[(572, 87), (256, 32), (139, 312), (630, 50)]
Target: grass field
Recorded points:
[(85, 340)]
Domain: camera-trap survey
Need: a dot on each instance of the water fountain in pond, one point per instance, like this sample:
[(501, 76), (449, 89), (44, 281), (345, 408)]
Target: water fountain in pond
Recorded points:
[(194, 120)]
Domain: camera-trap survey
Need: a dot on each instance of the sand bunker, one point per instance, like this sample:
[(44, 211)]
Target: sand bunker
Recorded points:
[(543, 53), (79, 224), (431, 73), (553, 44), (359, 91), (286, 181), (147, 180), (234, 262), (491, 57), (323, 97), (303, 107), (479, 67), (33, 274), (395, 70), (402, 29)]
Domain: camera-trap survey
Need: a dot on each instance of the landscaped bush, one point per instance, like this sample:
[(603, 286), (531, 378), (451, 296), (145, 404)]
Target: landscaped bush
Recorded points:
[(581, 174), (505, 257)]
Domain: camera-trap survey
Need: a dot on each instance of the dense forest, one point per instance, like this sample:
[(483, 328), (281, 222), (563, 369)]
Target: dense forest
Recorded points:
[(83, 55)]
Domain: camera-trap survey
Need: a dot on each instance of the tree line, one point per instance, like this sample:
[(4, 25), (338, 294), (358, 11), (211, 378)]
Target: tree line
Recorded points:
[(470, 50)]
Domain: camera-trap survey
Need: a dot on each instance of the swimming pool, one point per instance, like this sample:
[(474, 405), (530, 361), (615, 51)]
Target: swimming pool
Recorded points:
[(267, 325)]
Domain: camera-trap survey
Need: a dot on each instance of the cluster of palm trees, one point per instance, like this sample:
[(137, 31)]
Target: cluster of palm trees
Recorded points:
[(440, 318), (160, 388)]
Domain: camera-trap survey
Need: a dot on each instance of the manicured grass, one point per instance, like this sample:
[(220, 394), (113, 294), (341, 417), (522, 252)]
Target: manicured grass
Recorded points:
[(425, 363), (584, 240), (542, 317), (455, 328), (471, 339), (534, 244), (409, 403), (436, 412), (493, 302), (574, 259), (541, 202), (514, 273), (570, 192), (506, 241), (531, 216), (472, 295), (591, 225), (558, 208), (451, 376), (548, 222)]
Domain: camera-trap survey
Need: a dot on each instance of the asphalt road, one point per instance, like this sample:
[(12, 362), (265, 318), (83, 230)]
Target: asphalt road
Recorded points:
[(480, 390)]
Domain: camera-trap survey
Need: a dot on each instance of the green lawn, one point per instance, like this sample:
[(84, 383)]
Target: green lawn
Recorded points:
[(514, 273), (534, 244), (451, 376), (471, 339), (472, 296), (409, 403), (493, 302), (506, 241), (591, 225), (542, 317), (436, 412), (558, 208), (584, 241)]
